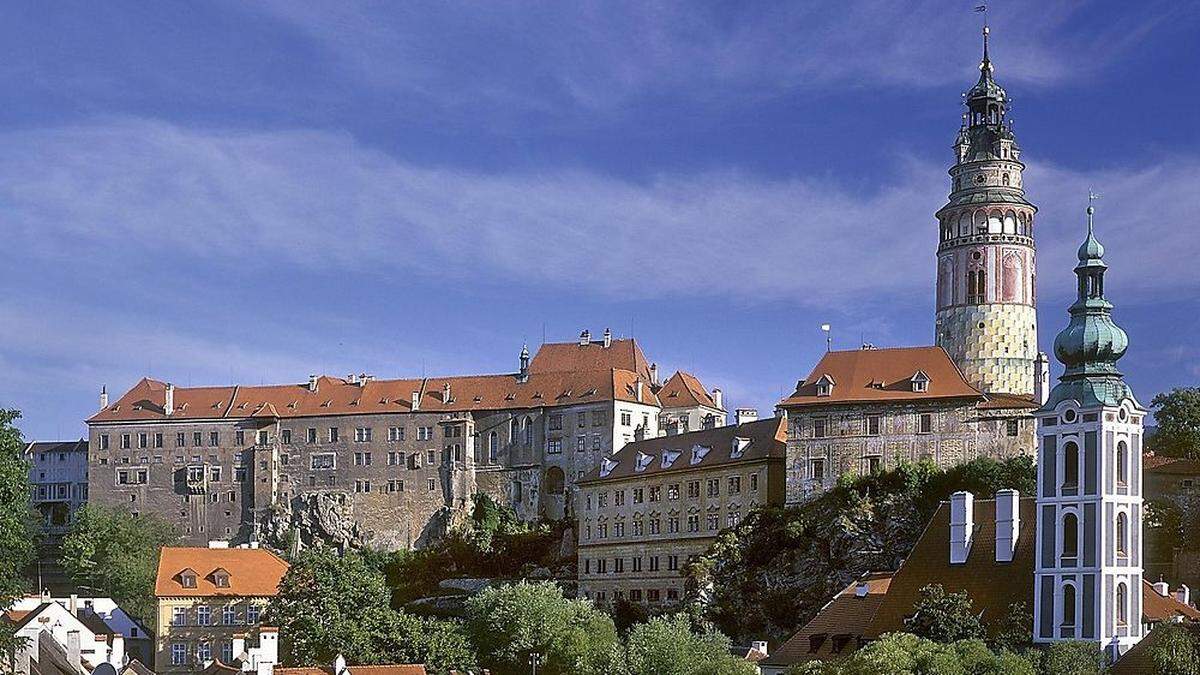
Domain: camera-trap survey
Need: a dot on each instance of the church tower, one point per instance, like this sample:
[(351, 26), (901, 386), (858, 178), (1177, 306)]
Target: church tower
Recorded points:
[(1088, 565), (986, 319)]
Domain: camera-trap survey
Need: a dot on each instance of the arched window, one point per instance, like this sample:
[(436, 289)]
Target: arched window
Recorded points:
[(976, 286), (515, 432), (1070, 465), (1068, 609), (493, 446), (1122, 604), (1070, 536), (1006, 182), (1122, 535), (529, 431), (1122, 463)]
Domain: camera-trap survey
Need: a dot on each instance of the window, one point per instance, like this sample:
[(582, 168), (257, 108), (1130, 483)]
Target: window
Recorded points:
[(124, 441), (1012, 428), (602, 500), (179, 614), (178, 654), (226, 651), (362, 486), (639, 495), (816, 469), (580, 443), (1122, 604), (214, 439), (714, 521), (673, 525), (323, 461), (602, 566), (655, 493), (655, 526), (395, 486), (735, 485), (819, 424), (1070, 536), (252, 614), (1070, 465), (158, 442), (529, 431), (142, 440), (874, 464), (432, 484), (925, 423), (1122, 464), (554, 446), (618, 498), (714, 487), (581, 419), (333, 434), (103, 441), (285, 436), (239, 437), (395, 434), (673, 492), (556, 423), (672, 563), (197, 438), (214, 474), (618, 565), (430, 456), (626, 418), (693, 491), (203, 615), (693, 523), (424, 433), (619, 529), (1068, 609), (263, 437), (239, 474), (493, 446), (311, 435), (754, 482), (362, 459), (654, 562), (872, 425), (1122, 535)]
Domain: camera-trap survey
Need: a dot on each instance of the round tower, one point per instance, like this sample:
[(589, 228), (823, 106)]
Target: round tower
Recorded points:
[(986, 271)]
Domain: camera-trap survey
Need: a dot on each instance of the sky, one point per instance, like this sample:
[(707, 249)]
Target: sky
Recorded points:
[(250, 192)]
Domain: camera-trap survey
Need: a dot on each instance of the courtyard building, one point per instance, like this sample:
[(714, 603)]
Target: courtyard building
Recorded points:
[(58, 477), (645, 512)]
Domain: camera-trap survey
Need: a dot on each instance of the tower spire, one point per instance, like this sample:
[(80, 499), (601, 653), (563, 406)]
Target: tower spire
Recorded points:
[(986, 64)]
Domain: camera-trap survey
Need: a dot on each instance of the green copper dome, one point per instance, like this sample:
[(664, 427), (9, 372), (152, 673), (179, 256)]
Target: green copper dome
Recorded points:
[(1092, 343)]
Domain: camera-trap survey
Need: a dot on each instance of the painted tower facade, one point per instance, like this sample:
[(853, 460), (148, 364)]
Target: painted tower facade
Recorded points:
[(986, 270), (1088, 567)]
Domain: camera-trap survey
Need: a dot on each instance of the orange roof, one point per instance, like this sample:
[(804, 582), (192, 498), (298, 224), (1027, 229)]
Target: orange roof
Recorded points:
[(337, 396), (882, 375), (412, 669), (1157, 607), (767, 440), (561, 357), (1138, 660), (684, 390), (253, 572), (1170, 465), (837, 625)]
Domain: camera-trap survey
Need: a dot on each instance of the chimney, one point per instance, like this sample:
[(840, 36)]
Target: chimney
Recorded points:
[(73, 649), (116, 652), (169, 406), (268, 646), (339, 665), (718, 398), (1041, 378), (638, 390), (585, 338), (1184, 595), (1162, 588), (639, 434), (239, 644), (416, 400), (312, 382), (654, 374), (607, 338), (73, 604), (744, 415), (759, 646), (103, 397), (962, 526), (1008, 524), (446, 392)]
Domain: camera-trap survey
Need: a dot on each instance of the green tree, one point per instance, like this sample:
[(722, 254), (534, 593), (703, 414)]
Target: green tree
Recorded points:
[(1176, 651), (1011, 632), (1177, 414), (116, 554), (1074, 658), (668, 645), (944, 617), (908, 654), (507, 624), (18, 525)]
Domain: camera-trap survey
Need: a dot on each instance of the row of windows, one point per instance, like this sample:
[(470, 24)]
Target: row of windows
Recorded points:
[(77, 491), (599, 419), (635, 595), (652, 564), (653, 525), (872, 425), (203, 652), (262, 437), (203, 615), (654, 493), (554, 446), (393, 486)]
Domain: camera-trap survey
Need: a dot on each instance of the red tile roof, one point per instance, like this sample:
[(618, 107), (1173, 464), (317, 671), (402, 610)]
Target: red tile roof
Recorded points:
[(882, 375), (562, 357), (1170, 465), (839, 624), (684, 390), (767, 440), (253, 572), (1138, 661), (337, 396), (412, 669)]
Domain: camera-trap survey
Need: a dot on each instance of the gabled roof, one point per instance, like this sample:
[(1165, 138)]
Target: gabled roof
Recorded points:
[(1138, 660), (253, 572), (337, 396), (684, 390), (767, 440), (80, 445), (561, 357), (882, 375), (846, 617)]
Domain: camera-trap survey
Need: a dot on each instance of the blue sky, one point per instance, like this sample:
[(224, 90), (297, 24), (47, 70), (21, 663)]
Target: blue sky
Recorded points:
[(249, 192)]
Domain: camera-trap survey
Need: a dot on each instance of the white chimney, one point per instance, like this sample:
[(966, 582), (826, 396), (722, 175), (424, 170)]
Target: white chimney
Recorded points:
[(585, 338), (654, 374), (1162, 588), (759, 646), (446, 392), (73, 604), (607, 338), (744, 415), (169, 406), (962, 526), (1008, 523), (238, 642), (218, 543), (1184, 594), (339, 665), (1041, 378), (312, 382), (268, 650), (718, 399), (638, 390), (416, 400), (73, 649), (103, 396), (116, 652)]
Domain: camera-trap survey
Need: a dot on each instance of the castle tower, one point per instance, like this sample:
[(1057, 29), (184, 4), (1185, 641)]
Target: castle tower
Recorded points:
[(1088, 563), (986, 320)]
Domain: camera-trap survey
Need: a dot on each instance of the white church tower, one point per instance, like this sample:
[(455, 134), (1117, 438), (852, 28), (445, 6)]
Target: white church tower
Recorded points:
[(1088, 568)]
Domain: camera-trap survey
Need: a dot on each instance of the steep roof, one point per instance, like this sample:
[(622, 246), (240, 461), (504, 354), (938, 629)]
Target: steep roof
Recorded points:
[(882, 375), (684, 390), (338, 396), (80, 445), (767, 439), (409, 669), (559, 357), (253, 572), (1170, 465), (1138, 660), (838, 624)]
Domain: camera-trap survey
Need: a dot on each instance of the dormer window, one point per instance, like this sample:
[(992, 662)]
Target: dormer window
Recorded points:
[(187, 579), (739, 447), (825, 386), (606, 467), (920, 382), (698, 453), (220, 578), (643, 461), (669, 457)]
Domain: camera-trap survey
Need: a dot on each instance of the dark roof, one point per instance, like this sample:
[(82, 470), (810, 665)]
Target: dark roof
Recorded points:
[(882, 375), (1138, 661), (837, 627), (1003, 401), (136, 668), (767, 440), (1170, 465), (80, 445)]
